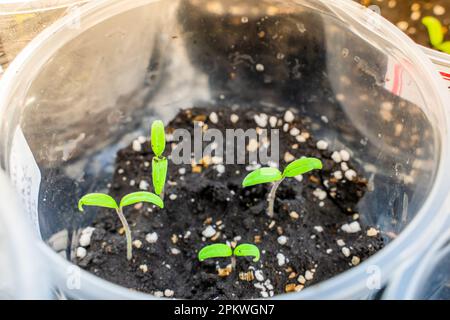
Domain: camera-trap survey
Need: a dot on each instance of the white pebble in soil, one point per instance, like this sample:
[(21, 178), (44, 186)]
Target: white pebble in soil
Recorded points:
[(209, 232), (259, 275), (282, 240), (352, 227), (320, 194), (213, 117), (143, 268), (261, 120), (173, 197), (151, 237), (288, 157), (259, 67), (346, 251), (294, 132), (273, 121), (301, 279), (234, 118), (81, 252), (85, 238), (322, 145), (340, 242), (143, 185), (336, 156), (318, 228), (338, 175), (137, 146), (182, 171), (345, 155), (281, 259), (309, 275), (350, 174), (168, 293), (220, 168), (175, 251), (372, 232), (137, 244), (289, 116), (344, 166), (158, 294)]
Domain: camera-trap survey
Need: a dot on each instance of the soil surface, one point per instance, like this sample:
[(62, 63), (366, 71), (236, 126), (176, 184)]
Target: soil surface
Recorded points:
[(310, 213)]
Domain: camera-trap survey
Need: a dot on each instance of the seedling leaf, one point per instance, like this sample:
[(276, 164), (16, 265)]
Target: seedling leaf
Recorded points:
[(159, 173), (141, 196), (444, 47), (158, 138), (247, 250), (302, 166), (98, 200), (218, 250), (262, 175), (435, 31)]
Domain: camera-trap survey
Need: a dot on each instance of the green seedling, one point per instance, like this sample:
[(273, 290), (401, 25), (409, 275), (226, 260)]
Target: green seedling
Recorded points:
[(274, 176), (221, 250), (159, 162), (436, 34), (106, 201)]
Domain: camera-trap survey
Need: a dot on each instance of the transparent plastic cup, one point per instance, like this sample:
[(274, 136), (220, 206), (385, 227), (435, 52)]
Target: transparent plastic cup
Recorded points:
[(22, 271), (75, 96), (426, 277)]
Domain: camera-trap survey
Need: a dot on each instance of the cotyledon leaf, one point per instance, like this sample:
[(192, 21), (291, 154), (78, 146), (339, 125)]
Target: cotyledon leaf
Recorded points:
[(158, 138), (159, 173), (218, 250), (301, 166), (141, 196), (435, 32), (262, 175), (98, 200), (247, 250)]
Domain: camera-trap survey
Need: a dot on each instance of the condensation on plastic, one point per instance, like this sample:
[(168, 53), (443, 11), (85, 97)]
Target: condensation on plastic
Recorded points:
[(22, 273), (131, 61)]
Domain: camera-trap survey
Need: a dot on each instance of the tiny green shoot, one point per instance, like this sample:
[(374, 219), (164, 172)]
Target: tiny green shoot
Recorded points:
[(159, 162), (106, 201), (273, 175), (220, 250), (436, 33)]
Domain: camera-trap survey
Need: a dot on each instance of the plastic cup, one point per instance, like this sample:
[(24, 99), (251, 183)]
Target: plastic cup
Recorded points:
[(75, 96)]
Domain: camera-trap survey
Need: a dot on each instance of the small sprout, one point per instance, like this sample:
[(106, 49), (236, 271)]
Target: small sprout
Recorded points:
[(220, 250), (247, 250), (273, 175), (159, 162), (106, 201), (436, 34)]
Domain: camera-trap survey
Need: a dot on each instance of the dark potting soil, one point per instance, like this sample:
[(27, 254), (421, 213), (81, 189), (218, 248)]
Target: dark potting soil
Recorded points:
[(310, 213)]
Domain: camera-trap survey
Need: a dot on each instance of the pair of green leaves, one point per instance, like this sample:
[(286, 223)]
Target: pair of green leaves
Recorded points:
[(295, 168), (220, 250), (106, 201), (159, 163), (436, 34)]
